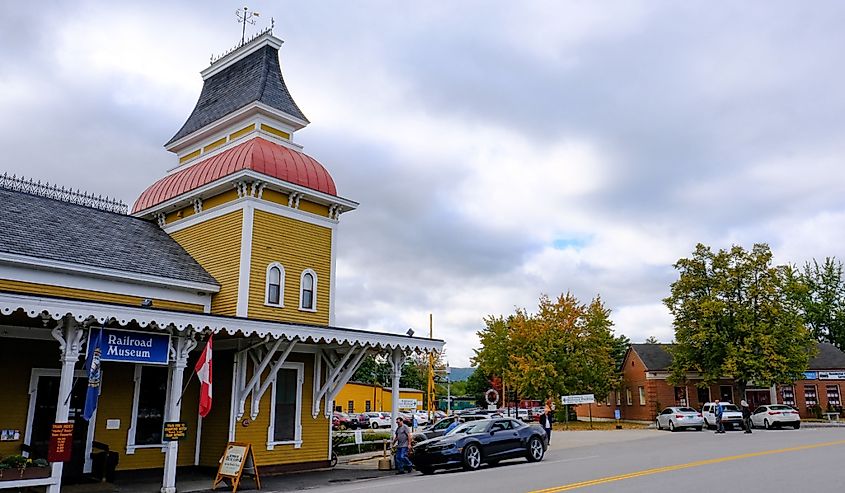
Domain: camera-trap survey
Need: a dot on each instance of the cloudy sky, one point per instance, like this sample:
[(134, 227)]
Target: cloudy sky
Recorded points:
[(499, 150)]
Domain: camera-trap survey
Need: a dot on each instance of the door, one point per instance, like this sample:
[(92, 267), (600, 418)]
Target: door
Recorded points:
[(44, 415), (726, 393), (758, 398)]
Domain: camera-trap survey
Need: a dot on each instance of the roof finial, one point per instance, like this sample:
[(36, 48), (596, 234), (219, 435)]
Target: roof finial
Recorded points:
[(245, 17)]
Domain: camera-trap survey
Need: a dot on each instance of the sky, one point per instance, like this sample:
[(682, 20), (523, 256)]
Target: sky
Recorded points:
[(499, 150)]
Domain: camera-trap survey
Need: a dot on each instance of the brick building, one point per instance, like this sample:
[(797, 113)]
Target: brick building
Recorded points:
[(645, 389)]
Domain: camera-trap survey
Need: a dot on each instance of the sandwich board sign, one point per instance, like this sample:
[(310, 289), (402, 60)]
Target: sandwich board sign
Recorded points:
[(237, 460)]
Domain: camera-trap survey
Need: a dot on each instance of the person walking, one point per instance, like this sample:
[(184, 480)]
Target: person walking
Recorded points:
[(546, 422), (746, 416), (718, 410), (402, 440)]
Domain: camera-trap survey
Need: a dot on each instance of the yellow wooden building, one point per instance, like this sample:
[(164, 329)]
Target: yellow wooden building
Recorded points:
[(237, 240), (356, 397)]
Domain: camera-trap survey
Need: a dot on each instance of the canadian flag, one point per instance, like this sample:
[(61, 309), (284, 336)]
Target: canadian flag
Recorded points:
[(203, 370)]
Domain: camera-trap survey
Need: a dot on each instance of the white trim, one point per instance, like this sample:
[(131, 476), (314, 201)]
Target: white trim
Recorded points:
[(205, 215), (110, 274), (332, 276), (271, 428), (30, 412), (281, 303), (159, 319), (313, 307), (236, 371), (245, 261), (133, 420)]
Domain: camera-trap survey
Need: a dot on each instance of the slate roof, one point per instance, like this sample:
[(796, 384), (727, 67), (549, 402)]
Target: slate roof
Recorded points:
[(656, 358), (829, 358), (256, 77), (46, 228)]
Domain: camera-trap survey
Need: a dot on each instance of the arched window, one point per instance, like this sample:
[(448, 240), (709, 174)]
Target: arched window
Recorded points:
[(308, 290), (275, 285)]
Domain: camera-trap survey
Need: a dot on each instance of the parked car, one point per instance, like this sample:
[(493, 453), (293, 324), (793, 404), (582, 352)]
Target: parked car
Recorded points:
[(433, 431), (483, 441), (343, 421), (774, 416), (731, 415), (677, 418), (374, 420)]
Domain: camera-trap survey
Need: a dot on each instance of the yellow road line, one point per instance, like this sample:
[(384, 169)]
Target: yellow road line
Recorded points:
[(657, 470)]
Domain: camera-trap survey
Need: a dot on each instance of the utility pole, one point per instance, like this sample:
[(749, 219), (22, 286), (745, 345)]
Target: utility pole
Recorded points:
[(430, 370)]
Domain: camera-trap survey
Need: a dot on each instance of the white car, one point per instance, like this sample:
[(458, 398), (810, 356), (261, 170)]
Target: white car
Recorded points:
[(677, 418), (377, 420), (731, 415), (774, 416), (422, 417)]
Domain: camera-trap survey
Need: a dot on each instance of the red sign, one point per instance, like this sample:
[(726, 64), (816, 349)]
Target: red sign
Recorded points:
[(61, 442)]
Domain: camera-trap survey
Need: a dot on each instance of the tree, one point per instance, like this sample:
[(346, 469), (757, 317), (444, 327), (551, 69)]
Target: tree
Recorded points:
[(652, 340), (620, 347), (476, 385), (733, 316), (493, 358), (819, 292), (373, 370)]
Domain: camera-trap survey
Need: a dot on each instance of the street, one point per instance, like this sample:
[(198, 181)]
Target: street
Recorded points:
[(651, 461)]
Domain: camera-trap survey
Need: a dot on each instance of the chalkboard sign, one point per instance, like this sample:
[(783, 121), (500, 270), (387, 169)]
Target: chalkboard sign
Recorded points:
[(174, 431), (237, 461)]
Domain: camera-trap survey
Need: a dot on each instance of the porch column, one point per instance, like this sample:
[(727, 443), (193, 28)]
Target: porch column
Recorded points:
[(181, 346), (70, 338), (397, 359)]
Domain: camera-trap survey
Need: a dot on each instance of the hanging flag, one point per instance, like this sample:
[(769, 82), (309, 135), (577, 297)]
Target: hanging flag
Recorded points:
[(203, 369), (95, 374)]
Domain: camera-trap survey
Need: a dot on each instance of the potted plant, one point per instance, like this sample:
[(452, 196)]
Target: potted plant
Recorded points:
[(20, 467)]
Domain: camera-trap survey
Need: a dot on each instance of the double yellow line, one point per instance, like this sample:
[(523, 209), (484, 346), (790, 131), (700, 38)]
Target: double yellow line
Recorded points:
[(657, 470)]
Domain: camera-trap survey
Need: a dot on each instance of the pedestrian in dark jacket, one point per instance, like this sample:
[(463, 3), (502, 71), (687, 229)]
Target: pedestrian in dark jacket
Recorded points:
[(746, 416), (546, 422)]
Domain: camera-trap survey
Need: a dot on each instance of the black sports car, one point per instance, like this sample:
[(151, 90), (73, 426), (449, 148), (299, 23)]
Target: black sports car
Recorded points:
[(478, 442)]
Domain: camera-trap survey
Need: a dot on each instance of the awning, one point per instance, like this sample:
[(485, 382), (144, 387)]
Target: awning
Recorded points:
[(106, 313)]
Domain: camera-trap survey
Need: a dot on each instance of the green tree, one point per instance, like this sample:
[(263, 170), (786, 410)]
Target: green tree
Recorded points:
[(733, 316), (652, 340), (819, 292), (620, 347), (493, 357), (476, 385)]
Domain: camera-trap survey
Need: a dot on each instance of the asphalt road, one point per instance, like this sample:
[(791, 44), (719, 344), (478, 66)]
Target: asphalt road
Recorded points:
[(651, 461)]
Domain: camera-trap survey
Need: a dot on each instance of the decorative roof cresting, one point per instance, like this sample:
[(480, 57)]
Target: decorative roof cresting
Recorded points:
[(78, 197)]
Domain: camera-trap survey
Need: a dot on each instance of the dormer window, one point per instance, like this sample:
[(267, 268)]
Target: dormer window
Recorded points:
[(308, 287), (275, 285)]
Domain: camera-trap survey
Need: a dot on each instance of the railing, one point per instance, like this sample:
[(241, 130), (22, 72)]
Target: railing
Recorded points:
[(63, 194)]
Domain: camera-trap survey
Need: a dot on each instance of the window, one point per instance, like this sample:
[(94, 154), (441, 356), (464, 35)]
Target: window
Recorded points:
[(628, 397), (351, 406), (642, 395), (703, 395), (149, 405), (618, 395), (833, 395), (607, 399), (286, 409), (810, 397), (367, 406), (275, 285), (308, 288), (787, 394), (727, 393), (681, 396)]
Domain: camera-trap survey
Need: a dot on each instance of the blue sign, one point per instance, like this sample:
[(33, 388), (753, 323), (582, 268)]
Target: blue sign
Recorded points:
[(617, 414), (810, 375), (131, 347)]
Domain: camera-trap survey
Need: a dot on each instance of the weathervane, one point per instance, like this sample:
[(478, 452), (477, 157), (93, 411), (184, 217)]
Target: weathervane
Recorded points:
[(245, 17)]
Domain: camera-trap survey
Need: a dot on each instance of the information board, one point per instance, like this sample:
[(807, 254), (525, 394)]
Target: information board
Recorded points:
[(578, 399), (407, 403), (174, 431), (61, 442), (832, 375), (237, 460)]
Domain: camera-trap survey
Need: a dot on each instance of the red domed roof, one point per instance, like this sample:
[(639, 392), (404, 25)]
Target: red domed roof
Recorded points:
[(256, 154)]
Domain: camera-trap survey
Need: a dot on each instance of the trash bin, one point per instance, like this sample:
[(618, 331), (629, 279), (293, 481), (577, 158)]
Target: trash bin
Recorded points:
[(103, 465)]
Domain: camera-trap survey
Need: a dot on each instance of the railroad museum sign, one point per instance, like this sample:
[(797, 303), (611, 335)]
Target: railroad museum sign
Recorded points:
[(127, 346)]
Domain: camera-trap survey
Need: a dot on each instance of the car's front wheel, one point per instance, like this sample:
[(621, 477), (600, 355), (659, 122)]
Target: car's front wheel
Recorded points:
[(535, 450), (657, 424), (472, 457)]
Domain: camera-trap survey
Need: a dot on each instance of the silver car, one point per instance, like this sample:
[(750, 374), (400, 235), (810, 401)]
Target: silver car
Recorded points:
[(677, 418), (774, 416)]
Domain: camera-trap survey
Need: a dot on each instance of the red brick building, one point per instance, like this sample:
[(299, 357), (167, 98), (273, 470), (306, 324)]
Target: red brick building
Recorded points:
[(645, 389)]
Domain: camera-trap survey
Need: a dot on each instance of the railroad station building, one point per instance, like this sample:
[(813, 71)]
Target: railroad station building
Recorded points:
[(357, 397), (236, 241), (646, 391)]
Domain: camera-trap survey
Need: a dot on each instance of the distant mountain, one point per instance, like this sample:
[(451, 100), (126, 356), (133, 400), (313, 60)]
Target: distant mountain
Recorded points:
[(460, 374)]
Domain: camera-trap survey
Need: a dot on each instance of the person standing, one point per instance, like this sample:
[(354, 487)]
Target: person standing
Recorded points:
[(402, 440), (717, 411), (746, 416), (453, 425), (546, 423)]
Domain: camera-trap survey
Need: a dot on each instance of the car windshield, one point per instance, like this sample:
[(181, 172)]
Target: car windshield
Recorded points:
[(687, 410), (469, 428), (729, 407)]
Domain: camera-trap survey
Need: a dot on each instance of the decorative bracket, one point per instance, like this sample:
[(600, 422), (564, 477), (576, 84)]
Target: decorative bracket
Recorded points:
[(338, 375)]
